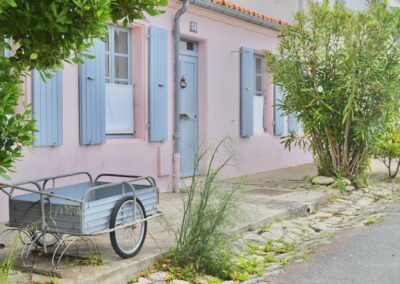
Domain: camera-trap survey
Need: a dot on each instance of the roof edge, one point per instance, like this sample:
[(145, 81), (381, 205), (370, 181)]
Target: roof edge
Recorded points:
[(239, 14)]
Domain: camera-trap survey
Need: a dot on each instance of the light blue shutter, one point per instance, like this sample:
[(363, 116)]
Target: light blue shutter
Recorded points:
[(158, 89), (47, 109), (293, 125), (247, 86), (92, 96), (7, 52), (278, 113)]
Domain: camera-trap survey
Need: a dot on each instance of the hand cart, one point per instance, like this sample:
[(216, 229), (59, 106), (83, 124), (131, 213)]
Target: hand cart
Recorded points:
[(49, 214)]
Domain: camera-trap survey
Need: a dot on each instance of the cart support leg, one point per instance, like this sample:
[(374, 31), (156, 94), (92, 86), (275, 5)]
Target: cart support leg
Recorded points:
[(44, 226)]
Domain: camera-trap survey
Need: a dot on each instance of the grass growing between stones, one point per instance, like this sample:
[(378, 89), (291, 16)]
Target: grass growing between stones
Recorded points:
[(373, 220), (7, 264), (94, 258)]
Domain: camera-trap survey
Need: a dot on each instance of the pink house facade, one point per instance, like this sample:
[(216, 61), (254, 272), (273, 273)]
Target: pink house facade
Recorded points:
[(224, 91)]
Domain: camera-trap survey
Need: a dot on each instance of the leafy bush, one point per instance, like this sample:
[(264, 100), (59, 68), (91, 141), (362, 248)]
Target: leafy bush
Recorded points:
[(340, 73), (202, 240), (388, 148), (15, 129)]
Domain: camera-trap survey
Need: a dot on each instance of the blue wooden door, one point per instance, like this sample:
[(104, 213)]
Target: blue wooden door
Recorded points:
[(188, 109)]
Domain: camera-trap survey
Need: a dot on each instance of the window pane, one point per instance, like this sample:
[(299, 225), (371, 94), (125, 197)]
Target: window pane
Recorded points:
[(182, 45), (121, 82), (107, 65), (121, 67), (121, 42), (259, 87), (190, 45), (259, 68), (106, 42)]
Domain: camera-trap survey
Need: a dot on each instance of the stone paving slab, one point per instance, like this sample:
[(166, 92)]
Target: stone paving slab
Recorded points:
[(256, 206)]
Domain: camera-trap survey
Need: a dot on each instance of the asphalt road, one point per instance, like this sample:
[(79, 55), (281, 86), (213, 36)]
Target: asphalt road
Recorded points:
[(360, 255)]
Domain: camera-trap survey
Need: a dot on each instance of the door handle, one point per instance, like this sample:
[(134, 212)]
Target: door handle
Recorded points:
[(90, 78), (184, 116), (161, 85)]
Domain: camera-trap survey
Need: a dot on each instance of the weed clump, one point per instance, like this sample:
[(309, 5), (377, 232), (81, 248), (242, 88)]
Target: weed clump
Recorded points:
[(203, 239)]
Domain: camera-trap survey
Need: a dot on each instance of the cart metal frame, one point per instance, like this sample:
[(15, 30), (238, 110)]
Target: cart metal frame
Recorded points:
[(40, 186)]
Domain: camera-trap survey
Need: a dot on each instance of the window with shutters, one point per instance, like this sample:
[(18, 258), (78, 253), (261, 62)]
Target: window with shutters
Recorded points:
[(258, 108), (119, 88)]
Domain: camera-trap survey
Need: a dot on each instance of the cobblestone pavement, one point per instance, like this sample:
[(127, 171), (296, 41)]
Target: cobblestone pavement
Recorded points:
[(302, 235), (363, 255), (268, 250)]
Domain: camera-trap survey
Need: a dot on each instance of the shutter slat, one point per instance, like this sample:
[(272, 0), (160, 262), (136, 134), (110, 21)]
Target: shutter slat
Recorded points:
[(158, 84), (278, 113), (247, 88), (47, 109), (92, 96), (293, 125)]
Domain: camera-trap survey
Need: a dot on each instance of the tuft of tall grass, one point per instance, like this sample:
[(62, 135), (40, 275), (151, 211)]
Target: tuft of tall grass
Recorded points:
[(203, 238), (7, 264)]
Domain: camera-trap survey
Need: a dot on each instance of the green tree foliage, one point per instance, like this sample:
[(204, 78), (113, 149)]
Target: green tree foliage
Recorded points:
[(340, 70), (388, 148), (43, 35)]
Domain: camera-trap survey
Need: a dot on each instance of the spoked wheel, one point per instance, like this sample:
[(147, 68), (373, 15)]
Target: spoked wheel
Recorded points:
[(128, 241), (51, 239)]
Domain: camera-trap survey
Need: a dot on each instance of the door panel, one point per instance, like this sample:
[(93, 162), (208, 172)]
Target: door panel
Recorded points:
[(188, 114)]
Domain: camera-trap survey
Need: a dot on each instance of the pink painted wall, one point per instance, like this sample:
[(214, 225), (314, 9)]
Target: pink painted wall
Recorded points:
[(220, 38)]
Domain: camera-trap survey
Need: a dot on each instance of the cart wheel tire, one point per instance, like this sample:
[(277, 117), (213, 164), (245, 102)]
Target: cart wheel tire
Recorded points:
[(115, 242)]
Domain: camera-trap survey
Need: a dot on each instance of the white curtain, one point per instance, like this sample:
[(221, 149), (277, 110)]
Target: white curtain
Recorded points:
[(119, 109)]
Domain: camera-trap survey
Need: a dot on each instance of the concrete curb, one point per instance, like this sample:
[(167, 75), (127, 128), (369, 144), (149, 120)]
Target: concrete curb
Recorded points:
[(299, 211)]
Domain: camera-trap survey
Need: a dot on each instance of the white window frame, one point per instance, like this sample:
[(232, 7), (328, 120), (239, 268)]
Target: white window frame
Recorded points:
[(119, 91), (111, 54), (259, 97)]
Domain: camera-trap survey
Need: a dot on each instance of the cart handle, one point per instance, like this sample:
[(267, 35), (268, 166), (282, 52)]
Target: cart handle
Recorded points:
[(53, 178), (150, 179), (3, 186), (128, 183)]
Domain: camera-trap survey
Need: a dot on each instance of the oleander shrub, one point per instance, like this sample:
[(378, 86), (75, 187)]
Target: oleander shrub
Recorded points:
[(340, 72)]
